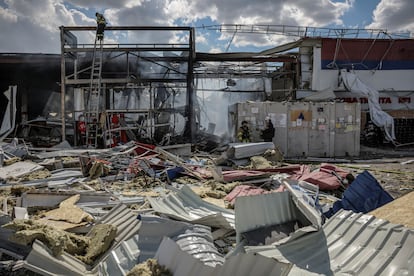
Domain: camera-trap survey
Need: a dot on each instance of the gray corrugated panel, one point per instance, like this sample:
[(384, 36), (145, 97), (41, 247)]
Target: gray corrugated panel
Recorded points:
[(243, 150), (39, 198), (200, 245), (259, 211), (121, 259), (125, 221), (253, 212), (180, 263), (152, 231), (365, 245), (252, 264), (187, 206), (19, 169), (308, 253), (306, 204), (56, 176), (69, 152), (196, 240), (352, 244), (42, 261)]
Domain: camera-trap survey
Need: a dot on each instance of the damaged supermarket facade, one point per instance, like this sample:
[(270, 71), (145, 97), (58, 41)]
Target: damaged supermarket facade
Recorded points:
[(319, 90)]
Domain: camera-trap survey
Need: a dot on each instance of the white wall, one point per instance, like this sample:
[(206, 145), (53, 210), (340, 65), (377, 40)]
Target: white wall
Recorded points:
[(389, 80)]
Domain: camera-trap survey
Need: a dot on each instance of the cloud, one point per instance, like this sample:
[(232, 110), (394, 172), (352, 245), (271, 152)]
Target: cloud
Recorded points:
[(393, 15), (263, 12), (32, 26), (104, 4)]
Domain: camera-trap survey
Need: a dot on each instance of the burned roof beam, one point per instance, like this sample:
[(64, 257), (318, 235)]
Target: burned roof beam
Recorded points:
[(127, 28), (128, 49), (123, 80), (229, 57)]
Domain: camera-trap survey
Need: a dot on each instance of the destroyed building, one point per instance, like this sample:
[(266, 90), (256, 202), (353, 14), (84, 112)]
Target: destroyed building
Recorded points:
[(168, 93), (135, 168)]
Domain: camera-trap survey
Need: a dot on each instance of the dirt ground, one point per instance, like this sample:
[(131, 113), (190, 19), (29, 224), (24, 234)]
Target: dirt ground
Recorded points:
[(396, 177), (394, 170)]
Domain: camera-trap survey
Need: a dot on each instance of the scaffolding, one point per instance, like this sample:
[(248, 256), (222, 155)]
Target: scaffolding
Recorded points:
[(304, 31), (97, 72)]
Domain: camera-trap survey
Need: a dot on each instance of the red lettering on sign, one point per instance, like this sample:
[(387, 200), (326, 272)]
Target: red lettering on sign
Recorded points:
[(381, 100), (385, 100), (404, 100)]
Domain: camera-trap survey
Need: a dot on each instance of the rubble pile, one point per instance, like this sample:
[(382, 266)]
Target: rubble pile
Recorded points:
[(138, 209)]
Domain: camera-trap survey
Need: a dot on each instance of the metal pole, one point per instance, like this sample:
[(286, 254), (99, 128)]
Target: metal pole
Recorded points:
[(190, 86), (62, 82)]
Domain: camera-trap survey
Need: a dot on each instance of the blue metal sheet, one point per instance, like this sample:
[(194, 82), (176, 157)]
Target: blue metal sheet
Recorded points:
[(362, 196)]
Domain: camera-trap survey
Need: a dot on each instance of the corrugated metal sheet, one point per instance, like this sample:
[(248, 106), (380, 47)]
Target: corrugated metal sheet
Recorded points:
[(200, 245), (243, 175), (41, 260), (187, 206), (196, 240), (363, 195), (121, 259), (243, 150), (19, 169), (254, 212), (180, 263), (193, 238), (47, 198), (351, 244), (125, 221)]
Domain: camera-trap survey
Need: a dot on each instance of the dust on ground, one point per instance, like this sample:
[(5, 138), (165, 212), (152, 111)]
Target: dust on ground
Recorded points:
[(398, 211)]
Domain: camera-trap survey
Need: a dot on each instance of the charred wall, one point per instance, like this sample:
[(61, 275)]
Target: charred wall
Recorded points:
[(36, 77)]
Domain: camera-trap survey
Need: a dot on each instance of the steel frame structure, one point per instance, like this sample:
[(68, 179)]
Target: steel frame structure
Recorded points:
[(79, 77)]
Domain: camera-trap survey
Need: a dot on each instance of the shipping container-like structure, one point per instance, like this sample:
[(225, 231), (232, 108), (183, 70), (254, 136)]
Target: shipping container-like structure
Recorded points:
[(303, 129)]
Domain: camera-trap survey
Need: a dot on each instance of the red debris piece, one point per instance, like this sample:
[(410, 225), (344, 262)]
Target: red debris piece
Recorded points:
[(243, 190), (326, 177), (230, 176)]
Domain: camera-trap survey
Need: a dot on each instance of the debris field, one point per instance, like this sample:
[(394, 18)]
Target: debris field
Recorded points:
[(139, 209)]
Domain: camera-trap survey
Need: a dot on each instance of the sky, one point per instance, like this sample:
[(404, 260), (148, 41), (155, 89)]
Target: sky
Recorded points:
[(32, 26)]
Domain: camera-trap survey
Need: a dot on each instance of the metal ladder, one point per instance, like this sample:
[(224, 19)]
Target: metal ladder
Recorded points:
[(94, 96)]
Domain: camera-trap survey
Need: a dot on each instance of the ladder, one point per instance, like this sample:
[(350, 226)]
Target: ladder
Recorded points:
[(93, 126)]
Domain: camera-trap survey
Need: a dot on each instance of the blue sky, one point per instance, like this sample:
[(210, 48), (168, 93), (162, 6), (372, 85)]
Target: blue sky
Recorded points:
[(360, 14), (32, 26)]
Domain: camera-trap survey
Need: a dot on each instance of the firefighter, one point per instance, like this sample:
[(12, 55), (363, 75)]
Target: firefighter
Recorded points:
[(81, 128), (100, 20), (268, 132), (244, 133)]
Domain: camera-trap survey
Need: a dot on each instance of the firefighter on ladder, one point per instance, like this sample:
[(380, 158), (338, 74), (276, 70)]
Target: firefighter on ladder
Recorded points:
[(100, 20)]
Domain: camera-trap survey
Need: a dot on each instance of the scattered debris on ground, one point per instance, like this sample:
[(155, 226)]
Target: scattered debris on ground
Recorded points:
[(137, 209)]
